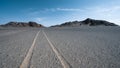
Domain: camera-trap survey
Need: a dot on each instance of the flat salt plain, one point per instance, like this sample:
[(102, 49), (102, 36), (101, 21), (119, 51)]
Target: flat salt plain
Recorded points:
[(81, 47), (88, 47), (14, 45), (43, 56)]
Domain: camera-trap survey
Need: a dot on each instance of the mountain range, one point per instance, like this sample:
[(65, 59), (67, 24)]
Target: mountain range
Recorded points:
[(86, 22), (22, 24)]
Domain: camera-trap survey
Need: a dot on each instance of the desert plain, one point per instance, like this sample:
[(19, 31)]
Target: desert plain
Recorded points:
[(60, 47)]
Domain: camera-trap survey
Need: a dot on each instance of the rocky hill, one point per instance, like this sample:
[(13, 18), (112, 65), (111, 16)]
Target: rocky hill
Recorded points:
[(86, 22), (22, 24)]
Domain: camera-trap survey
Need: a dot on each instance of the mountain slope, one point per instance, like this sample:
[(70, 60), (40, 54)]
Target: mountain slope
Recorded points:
[(88, 22), (22, 24)]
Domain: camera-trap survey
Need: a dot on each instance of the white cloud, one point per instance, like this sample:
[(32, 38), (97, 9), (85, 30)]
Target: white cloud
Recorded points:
[(60, 9), (110, 13), (34, 13), (38, 19), (108, 9), (50, 9), (68, 9)]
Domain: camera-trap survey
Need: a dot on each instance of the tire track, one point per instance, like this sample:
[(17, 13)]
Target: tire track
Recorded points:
[(25, 63), (64, 63)]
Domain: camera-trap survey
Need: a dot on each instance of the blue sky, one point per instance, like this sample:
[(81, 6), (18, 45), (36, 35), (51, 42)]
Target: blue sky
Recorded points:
[(52, 12)]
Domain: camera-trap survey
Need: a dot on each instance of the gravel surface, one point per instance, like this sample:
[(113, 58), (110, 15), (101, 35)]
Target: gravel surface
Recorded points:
[(91, 47), (43, 56), (81, 47), (14, 47)]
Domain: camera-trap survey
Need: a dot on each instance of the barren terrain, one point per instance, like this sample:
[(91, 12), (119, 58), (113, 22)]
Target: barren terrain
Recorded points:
[(60, 47)]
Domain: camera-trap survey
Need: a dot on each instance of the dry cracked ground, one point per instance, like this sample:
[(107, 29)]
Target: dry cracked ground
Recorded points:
[(76, 47)]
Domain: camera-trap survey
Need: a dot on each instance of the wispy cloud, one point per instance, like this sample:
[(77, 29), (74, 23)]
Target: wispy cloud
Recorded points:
[(68, 9), (104, 9), (33, 12), (60, 9), (110, 13), (98, 9), (38, 19)]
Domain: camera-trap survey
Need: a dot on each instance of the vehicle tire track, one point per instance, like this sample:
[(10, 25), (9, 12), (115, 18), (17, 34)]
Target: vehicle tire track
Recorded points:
[(64, 63), (26, 61)]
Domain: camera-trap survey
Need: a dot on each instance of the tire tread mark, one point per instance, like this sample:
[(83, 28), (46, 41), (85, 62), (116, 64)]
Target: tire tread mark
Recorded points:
[(64, 63)]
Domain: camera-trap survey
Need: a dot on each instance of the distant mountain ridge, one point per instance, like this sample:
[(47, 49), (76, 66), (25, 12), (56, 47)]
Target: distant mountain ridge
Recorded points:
[(22, 24), (88, 22)]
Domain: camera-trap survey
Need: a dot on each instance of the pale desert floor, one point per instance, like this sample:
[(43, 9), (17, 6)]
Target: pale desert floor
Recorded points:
[(72, 47)]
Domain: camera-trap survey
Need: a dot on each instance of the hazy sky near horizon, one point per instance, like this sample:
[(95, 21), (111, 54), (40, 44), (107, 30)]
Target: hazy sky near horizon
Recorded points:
[(52, 12)]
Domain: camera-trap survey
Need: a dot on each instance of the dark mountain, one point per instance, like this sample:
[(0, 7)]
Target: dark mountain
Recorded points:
[(86, 22), (22, 24)]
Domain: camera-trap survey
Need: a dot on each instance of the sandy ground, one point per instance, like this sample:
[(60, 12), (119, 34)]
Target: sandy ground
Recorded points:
[(81, 47), (13, 47), (91, 47), (43, 56)]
